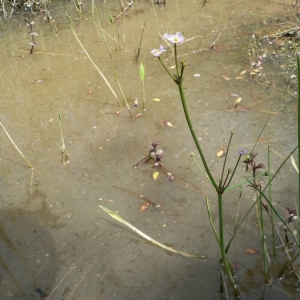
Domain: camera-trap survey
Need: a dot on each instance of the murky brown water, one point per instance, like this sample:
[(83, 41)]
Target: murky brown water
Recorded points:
[(54, 237)]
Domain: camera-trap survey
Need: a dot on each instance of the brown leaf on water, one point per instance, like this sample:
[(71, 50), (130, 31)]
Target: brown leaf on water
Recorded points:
[(145, 206), (250, 251)]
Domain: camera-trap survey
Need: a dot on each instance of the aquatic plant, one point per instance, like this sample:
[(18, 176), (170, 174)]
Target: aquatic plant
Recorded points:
[(222, 185), (33, 34), (142, 77), (93, 63), (140, 44), (16, 147), (121, 90)]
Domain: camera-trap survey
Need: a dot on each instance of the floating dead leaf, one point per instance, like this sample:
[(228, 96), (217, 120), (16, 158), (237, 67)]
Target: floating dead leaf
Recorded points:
[(136, 102), (145, 206), (158, 206), (243, 72), (156, 99), (170, 176), (138, 115), (168, 124), (155, 175), (226, 78), (238, 100), (250, 251), (239, 77), (221, 152), (172, 67)]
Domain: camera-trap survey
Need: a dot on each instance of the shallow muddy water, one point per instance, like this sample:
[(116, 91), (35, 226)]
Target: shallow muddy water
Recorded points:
[(56, 242)]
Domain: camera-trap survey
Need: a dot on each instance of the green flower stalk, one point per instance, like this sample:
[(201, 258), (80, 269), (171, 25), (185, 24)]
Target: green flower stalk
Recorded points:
[(220, 188)]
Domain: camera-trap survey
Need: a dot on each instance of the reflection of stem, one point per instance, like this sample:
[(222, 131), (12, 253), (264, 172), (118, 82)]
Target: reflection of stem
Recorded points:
[(72, 268)]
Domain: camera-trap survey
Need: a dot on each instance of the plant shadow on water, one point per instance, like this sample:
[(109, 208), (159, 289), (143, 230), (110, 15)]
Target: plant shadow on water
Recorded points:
[(54, 102)]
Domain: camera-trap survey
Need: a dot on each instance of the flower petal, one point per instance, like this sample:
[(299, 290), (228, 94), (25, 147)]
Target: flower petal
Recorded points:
[(174, 38), (158, 52)]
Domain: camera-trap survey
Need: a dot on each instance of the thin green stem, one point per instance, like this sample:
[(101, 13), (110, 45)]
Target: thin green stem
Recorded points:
[(279, 168), (188, 119), (225, 160), (176, 61), (270, 196), (243, 182), (198, 165), (228, 172), (222, 246), (232, 174), (165, 68), (260, 135), (211, 221), (263, 242), (276, 213)]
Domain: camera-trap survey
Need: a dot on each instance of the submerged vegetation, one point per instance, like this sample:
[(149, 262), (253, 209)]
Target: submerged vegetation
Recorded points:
[(244, 169)]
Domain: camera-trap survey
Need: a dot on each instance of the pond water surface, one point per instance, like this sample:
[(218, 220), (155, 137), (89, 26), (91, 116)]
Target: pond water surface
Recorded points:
[(56, 242)]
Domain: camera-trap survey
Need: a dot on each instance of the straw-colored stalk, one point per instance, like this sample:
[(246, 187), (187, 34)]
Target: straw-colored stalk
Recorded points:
[(121, 90), (121, 220), (114, 32), (88, 56), (102, 33), (65, 157), (16, 147)]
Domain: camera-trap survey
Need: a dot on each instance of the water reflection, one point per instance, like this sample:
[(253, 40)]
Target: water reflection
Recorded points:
[(29, 262)]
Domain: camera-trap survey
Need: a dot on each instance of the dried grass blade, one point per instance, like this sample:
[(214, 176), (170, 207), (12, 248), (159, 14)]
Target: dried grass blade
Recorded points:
[(121, 220), (16, 147)]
